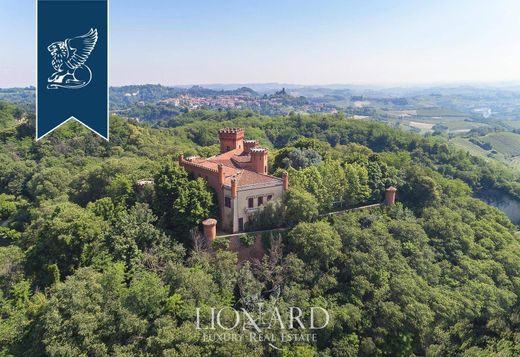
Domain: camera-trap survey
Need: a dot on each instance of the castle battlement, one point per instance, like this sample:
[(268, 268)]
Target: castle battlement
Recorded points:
[(231, 131)]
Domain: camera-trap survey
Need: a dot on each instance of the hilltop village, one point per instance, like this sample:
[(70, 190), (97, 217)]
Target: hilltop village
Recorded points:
[(278, 102)]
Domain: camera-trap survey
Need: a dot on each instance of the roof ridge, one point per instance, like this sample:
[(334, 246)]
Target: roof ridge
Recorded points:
[(199, 166)]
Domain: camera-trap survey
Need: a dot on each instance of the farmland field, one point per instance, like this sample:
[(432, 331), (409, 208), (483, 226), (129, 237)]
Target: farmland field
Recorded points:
[(454, 125), (504, 142), (473, 149), (511, 124), (438, 112), (421, 125), (503, 146)]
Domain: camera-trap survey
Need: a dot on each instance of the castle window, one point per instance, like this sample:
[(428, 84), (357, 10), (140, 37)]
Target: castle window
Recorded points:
[(269, 198), (228, 148), (265, 169), (250, 203), (227, 202), (260, 201)]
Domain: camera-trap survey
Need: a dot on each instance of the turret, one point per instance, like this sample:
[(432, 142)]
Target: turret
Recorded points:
[(249, 144), (231, 139), (390, 193), (210, 230), (259, 160)]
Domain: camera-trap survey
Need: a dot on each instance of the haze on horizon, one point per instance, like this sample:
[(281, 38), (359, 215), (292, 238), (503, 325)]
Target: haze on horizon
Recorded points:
[(378, 42)]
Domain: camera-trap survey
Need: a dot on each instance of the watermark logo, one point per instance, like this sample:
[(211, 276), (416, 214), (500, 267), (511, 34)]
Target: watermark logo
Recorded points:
[(69, 59), (271, 325), (72, 65)]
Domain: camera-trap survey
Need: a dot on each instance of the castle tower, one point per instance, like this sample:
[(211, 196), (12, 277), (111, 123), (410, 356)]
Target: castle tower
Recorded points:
[(249, 144), (239, 177), (231, 139), (259, 160)]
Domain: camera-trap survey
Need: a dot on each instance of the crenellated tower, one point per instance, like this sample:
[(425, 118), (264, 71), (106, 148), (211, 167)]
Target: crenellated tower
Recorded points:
[(231, 139)]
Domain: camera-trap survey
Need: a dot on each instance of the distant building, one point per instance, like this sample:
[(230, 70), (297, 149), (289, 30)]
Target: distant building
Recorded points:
[(239, 176)]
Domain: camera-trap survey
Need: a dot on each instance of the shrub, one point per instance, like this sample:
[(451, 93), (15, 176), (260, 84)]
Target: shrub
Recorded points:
[(221, 243), (248, 239)]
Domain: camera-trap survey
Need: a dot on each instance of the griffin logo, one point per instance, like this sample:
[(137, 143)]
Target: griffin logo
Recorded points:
[(68, 60)]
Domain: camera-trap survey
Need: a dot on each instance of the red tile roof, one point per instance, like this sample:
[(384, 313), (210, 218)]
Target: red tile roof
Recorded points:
[(235, 165), (248, 177)]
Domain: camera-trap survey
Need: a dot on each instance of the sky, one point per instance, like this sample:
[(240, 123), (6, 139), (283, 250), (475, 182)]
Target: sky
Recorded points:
[(371, 42)]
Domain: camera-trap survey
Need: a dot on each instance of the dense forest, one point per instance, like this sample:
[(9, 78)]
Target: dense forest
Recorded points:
[(92, 266)]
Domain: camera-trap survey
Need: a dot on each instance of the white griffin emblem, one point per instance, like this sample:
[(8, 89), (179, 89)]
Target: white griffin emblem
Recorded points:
[(68, 61)]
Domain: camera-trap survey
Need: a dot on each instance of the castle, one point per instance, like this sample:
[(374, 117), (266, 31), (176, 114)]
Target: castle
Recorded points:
[(239, 176)]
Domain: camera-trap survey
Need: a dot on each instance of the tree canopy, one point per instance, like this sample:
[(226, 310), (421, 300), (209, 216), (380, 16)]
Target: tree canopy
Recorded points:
[(96, 260)]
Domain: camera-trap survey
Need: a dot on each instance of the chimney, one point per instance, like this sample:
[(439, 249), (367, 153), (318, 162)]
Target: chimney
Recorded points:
[(249, 144), (233, 188), (181, 158), (231, 139), (285, 177), (210, 230), (220, 175), (259, 160), (390, 195)]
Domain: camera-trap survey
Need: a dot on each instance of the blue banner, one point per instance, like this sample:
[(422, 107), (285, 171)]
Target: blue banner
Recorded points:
[(72, 65)]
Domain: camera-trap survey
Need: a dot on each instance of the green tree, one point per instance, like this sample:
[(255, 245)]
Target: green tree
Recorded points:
[(133, 234), (192, 206), (334, 183), (88, 315), (269, 216), (7, 205), (420, 189), (317, 243), (300, 206), (146, 295), (301, 158), (311, 180), (12, 260), (15, 175), (104, 208), (49, 183), (357, 190), (121, 190), (168, 181), (380, 176), (63, 234)]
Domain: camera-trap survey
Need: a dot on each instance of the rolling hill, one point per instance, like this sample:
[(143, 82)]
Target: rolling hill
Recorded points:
[(502, 146)]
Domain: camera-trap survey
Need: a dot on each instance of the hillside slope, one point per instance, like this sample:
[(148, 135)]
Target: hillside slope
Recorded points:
[(502, 146)]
